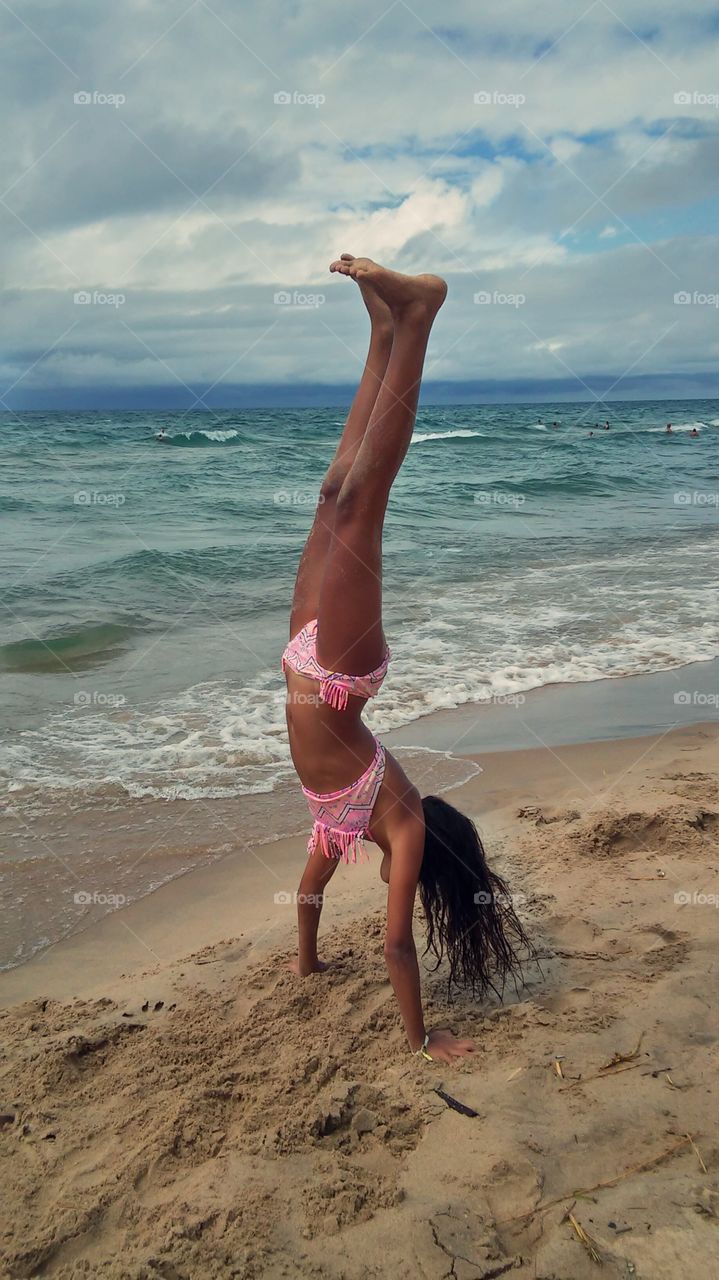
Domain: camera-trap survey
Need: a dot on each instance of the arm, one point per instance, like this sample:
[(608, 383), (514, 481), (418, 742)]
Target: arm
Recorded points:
[(399, 949), (407, 851)]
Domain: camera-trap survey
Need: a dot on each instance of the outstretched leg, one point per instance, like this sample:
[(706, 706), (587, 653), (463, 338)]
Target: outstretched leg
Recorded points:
[(349, 635), (305, 602)]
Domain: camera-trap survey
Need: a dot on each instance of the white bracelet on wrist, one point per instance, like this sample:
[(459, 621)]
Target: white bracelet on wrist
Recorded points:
[(422, 1051)]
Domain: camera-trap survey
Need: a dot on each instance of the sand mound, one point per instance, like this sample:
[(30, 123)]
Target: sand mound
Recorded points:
[(608, 833)]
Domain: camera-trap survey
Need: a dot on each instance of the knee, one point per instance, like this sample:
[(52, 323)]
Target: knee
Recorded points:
[(332, 485), (352, 499)]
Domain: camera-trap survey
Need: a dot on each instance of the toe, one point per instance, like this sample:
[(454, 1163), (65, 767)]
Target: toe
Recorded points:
[(347, 257)]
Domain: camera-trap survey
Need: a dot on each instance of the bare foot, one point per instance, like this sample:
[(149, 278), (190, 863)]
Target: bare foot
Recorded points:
[(404, 295), (294, 967), (379, 312)]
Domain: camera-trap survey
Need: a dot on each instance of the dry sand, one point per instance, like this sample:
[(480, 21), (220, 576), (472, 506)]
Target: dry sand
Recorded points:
[(207, 1114)]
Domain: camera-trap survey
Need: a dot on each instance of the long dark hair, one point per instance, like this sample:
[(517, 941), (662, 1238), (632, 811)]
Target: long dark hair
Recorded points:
[(469, 912)]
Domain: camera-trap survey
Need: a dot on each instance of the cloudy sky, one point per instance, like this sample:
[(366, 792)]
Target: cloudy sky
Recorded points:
[(177, 177)]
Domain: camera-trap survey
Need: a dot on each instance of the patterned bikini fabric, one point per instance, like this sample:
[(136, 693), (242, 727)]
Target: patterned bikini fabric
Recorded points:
[(342, 818), (335, 688)]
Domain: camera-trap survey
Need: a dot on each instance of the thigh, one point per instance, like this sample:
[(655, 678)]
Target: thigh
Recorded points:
[(350, 638), (317, 874), (305, 598)]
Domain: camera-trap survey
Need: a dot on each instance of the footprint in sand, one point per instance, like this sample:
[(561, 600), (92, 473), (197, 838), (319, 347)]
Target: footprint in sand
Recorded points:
[(666, 950), (514, 1188)]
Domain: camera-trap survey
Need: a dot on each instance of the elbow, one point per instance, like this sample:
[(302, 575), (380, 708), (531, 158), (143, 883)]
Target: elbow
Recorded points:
[(396, 953)]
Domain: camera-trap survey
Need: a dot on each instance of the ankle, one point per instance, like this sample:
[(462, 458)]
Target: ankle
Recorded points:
[(419, 313), (382, 334)]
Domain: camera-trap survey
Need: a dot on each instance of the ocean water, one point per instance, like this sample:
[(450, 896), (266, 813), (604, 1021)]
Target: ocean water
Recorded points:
[(146, 585), (146, 588)]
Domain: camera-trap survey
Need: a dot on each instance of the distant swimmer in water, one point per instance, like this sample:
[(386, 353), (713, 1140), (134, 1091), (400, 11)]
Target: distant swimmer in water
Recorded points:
[(669, 431), (606, 426), (694, 433), (162, 434), (591, 433)]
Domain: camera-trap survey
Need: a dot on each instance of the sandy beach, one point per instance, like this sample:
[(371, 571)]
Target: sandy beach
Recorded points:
[(356, 353), (175, 1104)]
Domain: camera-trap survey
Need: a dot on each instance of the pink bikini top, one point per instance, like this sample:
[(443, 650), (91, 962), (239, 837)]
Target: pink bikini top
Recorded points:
[(335, 688)]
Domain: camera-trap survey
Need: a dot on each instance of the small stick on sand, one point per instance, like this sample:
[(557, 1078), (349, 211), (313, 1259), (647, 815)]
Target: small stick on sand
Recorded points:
[(600, 1186), (616, 1058), (583, 955), (584, 1238), (604, 1074), (614, 1066), (696, 1151)]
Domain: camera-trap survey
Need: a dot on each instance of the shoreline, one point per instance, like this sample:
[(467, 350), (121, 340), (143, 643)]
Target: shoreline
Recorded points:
[(233, 896), (609, 709), (148, 845)]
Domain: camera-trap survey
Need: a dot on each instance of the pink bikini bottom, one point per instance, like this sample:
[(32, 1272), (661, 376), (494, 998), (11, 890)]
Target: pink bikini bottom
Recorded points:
[(342, 818)]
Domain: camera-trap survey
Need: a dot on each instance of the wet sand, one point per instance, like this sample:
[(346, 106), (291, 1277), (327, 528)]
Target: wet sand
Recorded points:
[(67, 868)]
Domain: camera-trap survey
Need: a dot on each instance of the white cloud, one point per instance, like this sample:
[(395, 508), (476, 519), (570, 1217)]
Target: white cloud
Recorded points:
[(398, 162)]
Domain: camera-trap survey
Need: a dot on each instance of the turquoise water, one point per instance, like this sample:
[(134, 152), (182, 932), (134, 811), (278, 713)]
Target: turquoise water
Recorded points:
[(146, 585)]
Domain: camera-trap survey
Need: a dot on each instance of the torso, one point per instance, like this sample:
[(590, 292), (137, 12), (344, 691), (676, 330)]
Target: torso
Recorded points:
[(331, 749)]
